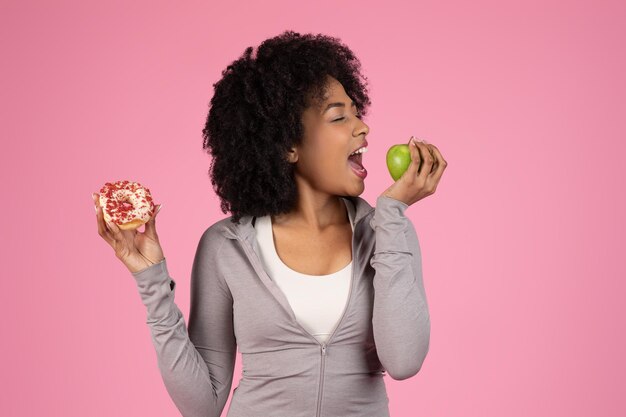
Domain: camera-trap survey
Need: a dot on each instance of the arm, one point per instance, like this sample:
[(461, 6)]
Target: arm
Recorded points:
[(400, 319), (196, 364)]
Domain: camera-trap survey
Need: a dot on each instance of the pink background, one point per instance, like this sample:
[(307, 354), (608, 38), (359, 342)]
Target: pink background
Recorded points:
[(523, 249)]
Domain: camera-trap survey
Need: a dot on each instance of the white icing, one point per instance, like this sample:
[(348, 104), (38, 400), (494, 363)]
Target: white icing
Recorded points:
[(131, 192)]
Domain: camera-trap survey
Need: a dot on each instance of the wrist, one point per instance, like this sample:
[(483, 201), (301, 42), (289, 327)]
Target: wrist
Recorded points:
[(393, 196), (137, 269)]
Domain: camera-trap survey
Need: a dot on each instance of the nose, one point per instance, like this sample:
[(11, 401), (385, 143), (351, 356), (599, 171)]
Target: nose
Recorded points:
[(362, 129)]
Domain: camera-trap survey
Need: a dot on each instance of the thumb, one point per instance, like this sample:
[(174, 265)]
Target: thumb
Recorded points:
[(150, 224), (413, 168)]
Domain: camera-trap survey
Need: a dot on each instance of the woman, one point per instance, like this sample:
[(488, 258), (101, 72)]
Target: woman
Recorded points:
[(319, 291)]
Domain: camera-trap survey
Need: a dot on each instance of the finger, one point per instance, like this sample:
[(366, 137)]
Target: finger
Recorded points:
[(150, 229), (114, 231), (436, 162), (442, 164), (430, 149), (427, 160), (102, 228), (413, 168)]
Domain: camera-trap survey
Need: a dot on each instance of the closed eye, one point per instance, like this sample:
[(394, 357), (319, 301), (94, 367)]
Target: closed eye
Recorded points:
[(341, 118)]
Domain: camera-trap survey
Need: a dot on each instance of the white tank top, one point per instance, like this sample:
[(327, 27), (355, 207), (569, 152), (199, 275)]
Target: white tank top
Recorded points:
[(316, 300)]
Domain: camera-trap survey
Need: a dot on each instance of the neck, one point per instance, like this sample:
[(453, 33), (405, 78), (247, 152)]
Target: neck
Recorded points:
[(314, 211)]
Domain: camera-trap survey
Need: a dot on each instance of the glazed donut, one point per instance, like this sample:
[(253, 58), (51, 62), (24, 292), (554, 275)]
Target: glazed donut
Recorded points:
[(128, 204)]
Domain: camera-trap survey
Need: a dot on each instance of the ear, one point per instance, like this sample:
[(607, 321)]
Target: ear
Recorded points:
[(292, 155)]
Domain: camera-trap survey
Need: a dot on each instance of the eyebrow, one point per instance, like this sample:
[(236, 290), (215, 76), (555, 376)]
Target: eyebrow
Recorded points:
[(337, 104)]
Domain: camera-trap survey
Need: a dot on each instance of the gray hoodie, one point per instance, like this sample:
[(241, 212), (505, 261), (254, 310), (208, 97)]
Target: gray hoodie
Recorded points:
[(286, 371)]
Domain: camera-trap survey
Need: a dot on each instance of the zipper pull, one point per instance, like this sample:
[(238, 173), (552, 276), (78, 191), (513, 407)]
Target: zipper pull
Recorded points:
[(323, 349)]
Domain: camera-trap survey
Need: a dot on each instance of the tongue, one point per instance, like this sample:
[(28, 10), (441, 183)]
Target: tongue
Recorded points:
[(354, 162)]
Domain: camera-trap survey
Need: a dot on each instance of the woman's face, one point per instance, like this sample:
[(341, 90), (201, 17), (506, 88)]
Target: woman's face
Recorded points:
[(331, 133)]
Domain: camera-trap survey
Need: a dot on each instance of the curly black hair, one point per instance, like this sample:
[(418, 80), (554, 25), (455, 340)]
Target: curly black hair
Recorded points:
[(255, 117)]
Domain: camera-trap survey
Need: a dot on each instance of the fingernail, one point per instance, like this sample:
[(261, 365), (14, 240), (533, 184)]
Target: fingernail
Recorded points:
[(95, 208), (413, 142), (159, 208), (93, 196)]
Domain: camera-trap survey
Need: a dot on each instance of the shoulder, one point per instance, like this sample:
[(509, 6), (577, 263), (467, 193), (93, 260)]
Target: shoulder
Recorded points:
[(213, 259), (213, 237)]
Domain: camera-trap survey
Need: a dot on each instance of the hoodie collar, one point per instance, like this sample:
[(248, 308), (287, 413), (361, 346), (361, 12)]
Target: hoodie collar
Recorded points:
[(245, 229)]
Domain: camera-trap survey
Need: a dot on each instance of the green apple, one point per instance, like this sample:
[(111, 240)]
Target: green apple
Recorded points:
[(398, 160)]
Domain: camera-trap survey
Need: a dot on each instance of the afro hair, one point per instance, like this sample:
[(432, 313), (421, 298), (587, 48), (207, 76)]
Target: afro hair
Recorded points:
[(255, 117)]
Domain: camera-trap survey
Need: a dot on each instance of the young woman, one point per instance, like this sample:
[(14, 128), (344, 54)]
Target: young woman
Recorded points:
[(320, 292)]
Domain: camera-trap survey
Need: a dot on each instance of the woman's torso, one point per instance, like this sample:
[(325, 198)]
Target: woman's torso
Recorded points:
[(317, 297), (285, 368)]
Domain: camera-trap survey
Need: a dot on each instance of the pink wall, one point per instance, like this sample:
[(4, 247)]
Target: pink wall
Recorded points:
[(523, 248)]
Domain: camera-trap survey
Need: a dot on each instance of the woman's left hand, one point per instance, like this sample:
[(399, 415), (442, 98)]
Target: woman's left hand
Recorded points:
[(420, 179)]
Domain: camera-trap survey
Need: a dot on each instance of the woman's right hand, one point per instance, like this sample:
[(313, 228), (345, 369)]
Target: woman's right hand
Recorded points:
[(135, 249)]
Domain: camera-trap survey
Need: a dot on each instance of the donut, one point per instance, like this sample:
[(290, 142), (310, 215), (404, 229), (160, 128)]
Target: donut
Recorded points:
[(128, 204)]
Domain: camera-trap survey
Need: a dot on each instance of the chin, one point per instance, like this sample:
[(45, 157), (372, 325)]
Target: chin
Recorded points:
[(356, 191)]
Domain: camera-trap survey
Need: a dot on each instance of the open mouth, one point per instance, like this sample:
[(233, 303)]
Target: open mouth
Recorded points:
[(355, 160)]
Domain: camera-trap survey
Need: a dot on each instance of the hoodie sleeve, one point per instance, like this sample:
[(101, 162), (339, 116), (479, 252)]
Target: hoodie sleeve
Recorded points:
[(197, 363), (400, 319)]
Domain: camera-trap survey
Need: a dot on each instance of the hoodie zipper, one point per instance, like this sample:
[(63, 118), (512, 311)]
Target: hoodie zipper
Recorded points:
[(324, 345), (319, 391), (259, 269)]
